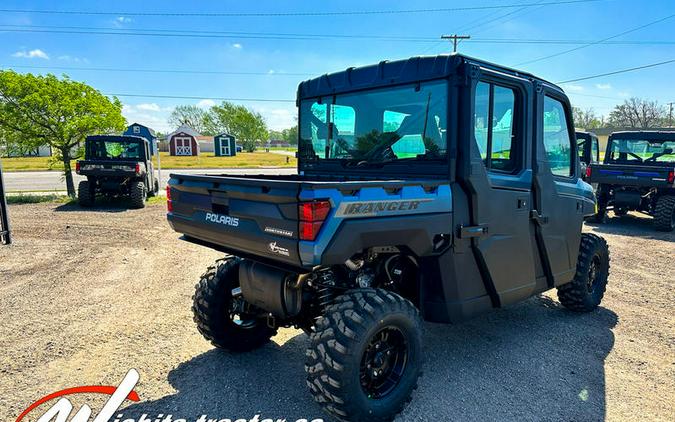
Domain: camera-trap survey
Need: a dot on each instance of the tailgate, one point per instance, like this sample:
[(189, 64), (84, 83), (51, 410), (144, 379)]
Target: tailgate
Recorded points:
[(242, 215), (617, 174)]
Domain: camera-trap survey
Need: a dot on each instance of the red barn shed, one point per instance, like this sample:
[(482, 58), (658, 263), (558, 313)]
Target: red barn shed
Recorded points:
[(183, 142)]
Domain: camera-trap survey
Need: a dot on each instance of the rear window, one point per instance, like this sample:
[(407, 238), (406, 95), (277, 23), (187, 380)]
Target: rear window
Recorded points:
[(641, 151), (111, 150)]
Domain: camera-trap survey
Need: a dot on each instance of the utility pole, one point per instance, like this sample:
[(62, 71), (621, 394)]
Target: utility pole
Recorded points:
[(670, 115), (455, 40)]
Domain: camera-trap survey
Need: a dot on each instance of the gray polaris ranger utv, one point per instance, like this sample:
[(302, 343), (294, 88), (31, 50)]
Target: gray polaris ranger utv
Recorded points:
[(117, 165), (434, 188)]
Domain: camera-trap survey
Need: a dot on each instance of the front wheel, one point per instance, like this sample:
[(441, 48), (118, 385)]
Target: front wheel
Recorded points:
[(220, 318), (664, 214), (365, 356), (584, 293)]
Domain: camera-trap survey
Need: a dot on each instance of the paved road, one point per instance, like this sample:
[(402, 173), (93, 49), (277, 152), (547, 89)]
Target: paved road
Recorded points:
[(53, 180)]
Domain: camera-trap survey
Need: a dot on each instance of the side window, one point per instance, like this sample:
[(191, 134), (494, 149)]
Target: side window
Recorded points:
[(137, 129), (494, 126), (595, 151), (557, 140)]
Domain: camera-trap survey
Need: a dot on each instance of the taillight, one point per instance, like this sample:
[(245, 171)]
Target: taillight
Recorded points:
[(169, 203), (671, 176), (77, 167), (138, 168), (312, 215), (588, 172)]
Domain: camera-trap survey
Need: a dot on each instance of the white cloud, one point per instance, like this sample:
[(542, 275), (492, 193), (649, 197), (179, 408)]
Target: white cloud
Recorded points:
[(576, 88), (32, 54), (603, 86), (237, 46), (148, 107), (278, 118), (206, 103), (121, 20), (624, 94)]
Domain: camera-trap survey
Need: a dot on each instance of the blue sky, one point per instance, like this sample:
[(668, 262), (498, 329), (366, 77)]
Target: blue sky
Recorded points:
[(590, 21)]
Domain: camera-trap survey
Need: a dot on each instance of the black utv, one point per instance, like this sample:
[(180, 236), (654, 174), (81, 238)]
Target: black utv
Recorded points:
[(433, 188), (638, 174), (117, 165), (588, 148)]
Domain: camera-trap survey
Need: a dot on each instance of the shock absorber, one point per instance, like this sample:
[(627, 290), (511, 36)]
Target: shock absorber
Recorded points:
[(324, 285)]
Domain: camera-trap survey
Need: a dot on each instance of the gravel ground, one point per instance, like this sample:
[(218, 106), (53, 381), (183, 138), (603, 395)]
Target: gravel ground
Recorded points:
[(86, 296)]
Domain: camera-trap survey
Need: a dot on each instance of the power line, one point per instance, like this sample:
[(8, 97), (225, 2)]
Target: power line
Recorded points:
[(455, 40), (616, 72), (300, 36), (597, 42), (189, 97), (283, 14)]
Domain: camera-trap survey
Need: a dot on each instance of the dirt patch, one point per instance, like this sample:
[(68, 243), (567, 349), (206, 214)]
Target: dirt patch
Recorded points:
[(87, 295)]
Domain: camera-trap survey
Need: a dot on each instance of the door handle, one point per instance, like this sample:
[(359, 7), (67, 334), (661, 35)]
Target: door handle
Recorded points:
[(467, 232), (538, 218)]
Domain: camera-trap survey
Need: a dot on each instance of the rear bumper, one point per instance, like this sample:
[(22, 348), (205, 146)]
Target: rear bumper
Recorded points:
[(240, 240)]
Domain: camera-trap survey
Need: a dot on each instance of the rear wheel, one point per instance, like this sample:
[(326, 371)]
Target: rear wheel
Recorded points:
[(155, 189), (584, 293), (365, 356), (222, 319), (664, 213), (138, 194), (86, 193)]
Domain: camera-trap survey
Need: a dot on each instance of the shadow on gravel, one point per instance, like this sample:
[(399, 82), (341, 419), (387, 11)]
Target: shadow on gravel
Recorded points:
[(101, 205), (632, 225), (533, 361)]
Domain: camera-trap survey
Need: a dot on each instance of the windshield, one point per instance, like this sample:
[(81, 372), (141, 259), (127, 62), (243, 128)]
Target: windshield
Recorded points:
[(378, 126), (111, 150), (641, 151)]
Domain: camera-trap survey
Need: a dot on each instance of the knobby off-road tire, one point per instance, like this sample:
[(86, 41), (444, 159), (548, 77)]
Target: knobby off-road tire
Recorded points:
[(155, 189), (348, 338), (86, 194), (584, 293), (664, 214), (212, 305), (601, 214), (138, 194)]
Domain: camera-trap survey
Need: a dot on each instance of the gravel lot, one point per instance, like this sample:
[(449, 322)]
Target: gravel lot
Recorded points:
[(85, 296)]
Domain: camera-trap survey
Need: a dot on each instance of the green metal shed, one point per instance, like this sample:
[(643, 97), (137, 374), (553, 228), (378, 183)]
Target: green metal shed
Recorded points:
[(225, 145)]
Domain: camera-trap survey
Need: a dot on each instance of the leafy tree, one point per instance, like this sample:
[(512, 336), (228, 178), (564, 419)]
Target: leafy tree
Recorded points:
[(275, 134), (192, 116), (586, 119), (290, 135), (637, 113), (45, 110), (246, 125)]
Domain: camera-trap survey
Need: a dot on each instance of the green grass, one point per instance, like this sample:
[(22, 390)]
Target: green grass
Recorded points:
[(204, 160), (23, 198)]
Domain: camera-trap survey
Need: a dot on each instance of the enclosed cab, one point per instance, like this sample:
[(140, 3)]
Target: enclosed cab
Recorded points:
[(588, 148), (433, 188), (638, 174), (114, 166)]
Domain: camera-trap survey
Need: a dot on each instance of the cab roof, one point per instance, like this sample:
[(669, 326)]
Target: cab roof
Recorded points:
[(389, 73), (646, 135)]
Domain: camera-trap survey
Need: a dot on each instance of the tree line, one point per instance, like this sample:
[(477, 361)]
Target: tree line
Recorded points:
[(634, 113)]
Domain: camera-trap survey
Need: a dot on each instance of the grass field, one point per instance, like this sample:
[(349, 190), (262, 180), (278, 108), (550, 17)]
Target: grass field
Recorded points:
[(204, 160)]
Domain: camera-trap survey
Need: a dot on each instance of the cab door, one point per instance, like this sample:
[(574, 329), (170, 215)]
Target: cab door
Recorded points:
[(498, 179), (558, 205)]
